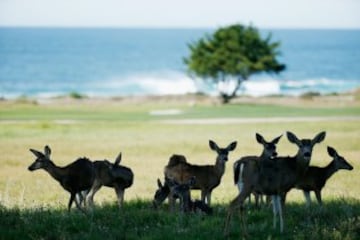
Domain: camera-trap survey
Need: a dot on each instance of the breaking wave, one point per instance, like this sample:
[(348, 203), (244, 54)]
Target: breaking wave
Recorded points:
[(176, 82)]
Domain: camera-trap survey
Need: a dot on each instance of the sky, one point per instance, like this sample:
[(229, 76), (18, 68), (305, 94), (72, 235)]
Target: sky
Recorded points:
[(181, 13)]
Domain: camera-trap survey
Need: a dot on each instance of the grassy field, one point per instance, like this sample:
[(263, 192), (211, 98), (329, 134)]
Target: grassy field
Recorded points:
[(147, 132)]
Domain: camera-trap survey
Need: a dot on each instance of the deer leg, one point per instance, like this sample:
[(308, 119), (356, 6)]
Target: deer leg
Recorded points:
[(203, 196), (268, 200), (283, 199), (261, 196), (233, 205), (258, 198), (72, 197), (280, 212), (208, 198), (78, 205), (90, 196), (275, 209), (80, 198), (120, 196), (171, 202), (238, 202), (318, 196), (307, 198)]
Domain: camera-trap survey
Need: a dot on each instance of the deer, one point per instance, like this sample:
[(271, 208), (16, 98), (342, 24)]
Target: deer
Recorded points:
[(111, 175), (74, 178), (161, 193), (315, 178), (207, 177), (182, 191), (275, 177), (269, 152)]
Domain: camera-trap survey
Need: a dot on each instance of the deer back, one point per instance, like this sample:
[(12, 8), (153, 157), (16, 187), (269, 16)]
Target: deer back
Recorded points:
[(243, 160), (103, 175), (315, 177), (124, 176), (74, 177), (279, 175), (112, 175), (204, 174)]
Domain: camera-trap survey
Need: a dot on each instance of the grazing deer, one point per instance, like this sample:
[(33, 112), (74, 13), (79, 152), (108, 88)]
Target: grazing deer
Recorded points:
[(315, 177), (111, 175), (74, 178), (275, 177), (269, 152), (207, 177), (182, 191), (161, 193)]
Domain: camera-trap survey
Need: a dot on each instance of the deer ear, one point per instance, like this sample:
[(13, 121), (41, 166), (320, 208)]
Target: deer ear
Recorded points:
[(319, 138), (159, 183), (37, 153), (118, 160), (231, 146), (292, 138), (259, 138), (332, 152), (276, 140), (47, 151), (213, 145)]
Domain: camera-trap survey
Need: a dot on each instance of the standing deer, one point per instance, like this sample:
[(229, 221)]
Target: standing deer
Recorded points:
[(74, 178), (269, 152), (207, 177), (315, 177), (275, 177), (111, 175)]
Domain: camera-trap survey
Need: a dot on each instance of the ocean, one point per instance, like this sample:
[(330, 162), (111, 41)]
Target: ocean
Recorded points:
[(50, 62)]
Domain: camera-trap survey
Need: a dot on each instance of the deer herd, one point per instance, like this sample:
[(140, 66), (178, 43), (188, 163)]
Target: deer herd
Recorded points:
[(266, 175)]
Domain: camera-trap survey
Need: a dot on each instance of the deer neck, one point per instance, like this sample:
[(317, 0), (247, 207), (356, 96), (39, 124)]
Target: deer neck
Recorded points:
[(219, 167), (263, 156), (329, 170), (301, 165), (55, 171)]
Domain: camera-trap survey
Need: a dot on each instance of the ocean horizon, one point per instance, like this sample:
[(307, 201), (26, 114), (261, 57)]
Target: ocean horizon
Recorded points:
[(111, 62)]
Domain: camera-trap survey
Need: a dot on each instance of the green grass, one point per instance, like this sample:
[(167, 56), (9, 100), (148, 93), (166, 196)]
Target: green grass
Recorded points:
[(141, 112), (336, 220), (33, 205)]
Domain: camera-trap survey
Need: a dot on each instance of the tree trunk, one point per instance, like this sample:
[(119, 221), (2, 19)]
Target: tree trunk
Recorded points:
[(225, 98)]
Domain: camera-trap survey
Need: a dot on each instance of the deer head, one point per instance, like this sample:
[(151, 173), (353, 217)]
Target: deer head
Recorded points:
[(269, 147), (339, 161), (161, 193), (42, 159), (305, 145), (222, 152)]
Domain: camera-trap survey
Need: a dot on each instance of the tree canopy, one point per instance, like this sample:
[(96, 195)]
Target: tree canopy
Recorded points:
[(233, 54)]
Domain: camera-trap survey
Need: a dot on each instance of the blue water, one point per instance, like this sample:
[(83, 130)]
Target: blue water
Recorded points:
[(45, 62)]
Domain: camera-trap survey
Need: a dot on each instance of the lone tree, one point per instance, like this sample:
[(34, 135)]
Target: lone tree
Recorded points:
[(231, 55)]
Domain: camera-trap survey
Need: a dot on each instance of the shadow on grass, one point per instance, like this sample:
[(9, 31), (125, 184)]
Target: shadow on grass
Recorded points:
[(137, 220)]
